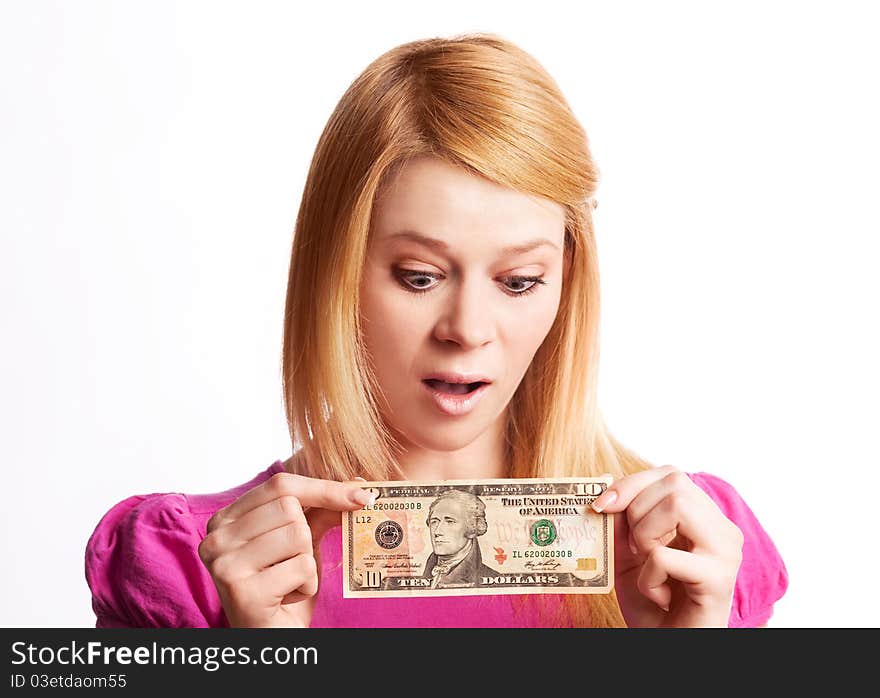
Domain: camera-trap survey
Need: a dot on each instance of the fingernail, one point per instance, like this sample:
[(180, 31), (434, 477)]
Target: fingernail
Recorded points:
[(632, 543), (363, 497), (607, 498)]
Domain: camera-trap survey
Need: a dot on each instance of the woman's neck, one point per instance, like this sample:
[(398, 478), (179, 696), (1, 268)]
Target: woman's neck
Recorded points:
[(485, 458), (482, 459), (430, 471)]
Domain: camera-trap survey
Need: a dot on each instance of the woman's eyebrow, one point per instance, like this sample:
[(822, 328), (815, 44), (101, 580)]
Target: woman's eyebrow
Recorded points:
[(440, 245)]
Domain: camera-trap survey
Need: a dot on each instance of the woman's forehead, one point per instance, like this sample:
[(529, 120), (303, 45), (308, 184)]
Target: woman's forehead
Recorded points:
[(446, 203)]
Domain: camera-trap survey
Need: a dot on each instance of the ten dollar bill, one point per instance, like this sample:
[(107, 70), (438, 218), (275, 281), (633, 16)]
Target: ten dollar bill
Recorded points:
[(480, 537)]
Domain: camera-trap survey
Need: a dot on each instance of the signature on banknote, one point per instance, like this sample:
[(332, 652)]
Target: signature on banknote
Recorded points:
[(542, 565)]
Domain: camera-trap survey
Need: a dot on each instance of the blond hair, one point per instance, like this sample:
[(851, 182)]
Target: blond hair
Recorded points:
[(481, 103)]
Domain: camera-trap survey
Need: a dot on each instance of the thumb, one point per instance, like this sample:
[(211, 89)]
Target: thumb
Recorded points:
[(322, 520)]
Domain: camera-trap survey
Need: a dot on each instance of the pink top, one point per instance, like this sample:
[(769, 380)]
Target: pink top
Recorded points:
[(143, 568)]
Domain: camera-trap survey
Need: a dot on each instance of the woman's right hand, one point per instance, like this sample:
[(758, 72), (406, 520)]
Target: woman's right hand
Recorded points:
[(260, 549)]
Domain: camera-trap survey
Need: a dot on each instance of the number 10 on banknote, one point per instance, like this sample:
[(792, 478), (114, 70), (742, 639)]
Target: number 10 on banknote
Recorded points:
[(457, 537)]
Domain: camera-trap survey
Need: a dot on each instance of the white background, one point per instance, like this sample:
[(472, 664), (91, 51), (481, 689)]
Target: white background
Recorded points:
[(152, 158)]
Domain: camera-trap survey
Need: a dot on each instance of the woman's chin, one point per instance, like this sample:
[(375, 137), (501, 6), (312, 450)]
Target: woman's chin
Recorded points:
[(444, 437)]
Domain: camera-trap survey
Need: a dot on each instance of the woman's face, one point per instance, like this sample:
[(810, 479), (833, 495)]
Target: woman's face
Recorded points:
[(443, 291)]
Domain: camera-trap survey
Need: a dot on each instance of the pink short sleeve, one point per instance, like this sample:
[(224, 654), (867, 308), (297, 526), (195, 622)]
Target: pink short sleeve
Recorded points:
[(762, 577), (143, 569)]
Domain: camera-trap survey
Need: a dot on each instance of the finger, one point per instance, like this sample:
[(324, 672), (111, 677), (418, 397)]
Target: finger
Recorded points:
[(676, 505), (619, 495), (628, 555), (264, 518), (269, 549), (677, 512), (322, 520), (664, 564), (326, 494), (272, 515), (653, 515), (296, 597), (652, 495), (290, 580), (657, 528)]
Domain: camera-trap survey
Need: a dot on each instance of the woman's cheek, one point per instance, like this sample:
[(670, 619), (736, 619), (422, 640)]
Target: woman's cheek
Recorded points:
[(528, 326)]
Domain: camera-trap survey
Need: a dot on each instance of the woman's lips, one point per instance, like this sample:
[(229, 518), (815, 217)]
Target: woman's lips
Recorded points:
[(453, 404)]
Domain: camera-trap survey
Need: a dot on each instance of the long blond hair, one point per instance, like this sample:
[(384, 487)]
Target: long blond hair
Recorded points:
[(481, 103)]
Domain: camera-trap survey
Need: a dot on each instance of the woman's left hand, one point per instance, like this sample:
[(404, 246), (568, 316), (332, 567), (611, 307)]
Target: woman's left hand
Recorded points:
[(676, 555)]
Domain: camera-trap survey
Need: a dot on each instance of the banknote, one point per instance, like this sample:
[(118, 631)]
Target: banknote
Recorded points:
[(517, 536)]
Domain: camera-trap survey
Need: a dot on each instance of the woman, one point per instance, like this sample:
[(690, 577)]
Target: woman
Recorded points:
[(444, 237)]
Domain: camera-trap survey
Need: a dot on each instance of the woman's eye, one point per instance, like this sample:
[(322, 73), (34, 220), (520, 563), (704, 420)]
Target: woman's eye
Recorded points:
[(532, 282), (419, 282)]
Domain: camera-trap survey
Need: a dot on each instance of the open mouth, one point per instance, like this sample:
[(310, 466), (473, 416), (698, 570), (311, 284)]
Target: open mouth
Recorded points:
[(453, 388)]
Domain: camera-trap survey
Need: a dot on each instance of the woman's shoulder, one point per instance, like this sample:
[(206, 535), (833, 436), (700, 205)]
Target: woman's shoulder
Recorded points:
[(763, 578), (142, 563)]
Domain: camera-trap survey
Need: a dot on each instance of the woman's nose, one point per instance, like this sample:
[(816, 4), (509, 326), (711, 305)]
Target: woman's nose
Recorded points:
[(467, 317)]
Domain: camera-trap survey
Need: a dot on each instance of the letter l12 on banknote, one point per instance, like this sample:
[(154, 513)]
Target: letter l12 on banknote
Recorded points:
[(479, 537)]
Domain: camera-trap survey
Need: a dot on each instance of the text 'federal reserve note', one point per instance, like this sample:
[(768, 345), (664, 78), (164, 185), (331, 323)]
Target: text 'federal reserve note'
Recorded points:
[(519, 536)]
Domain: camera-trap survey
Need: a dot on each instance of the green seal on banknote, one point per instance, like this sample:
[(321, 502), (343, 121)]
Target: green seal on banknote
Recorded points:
[(543, 532)]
